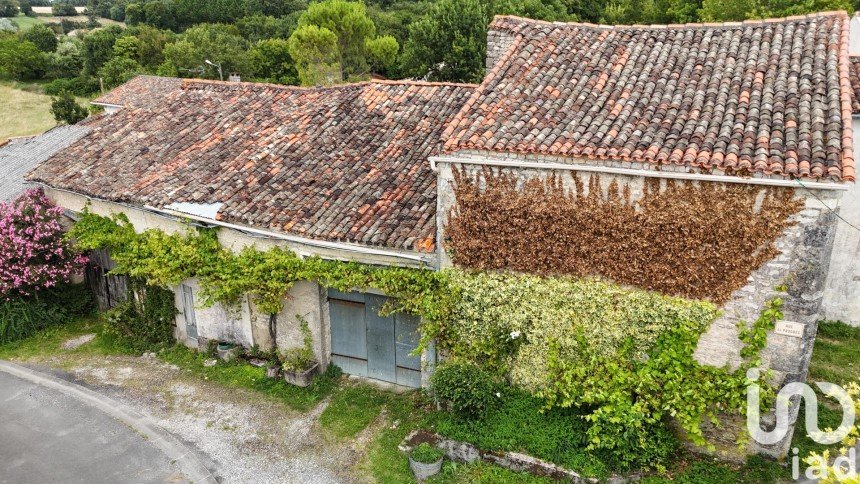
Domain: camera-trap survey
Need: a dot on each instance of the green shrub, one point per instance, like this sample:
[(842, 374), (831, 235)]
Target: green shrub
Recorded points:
[(426, 453), (75, 299), (520, 423), (21, 317), (80, 86), (66, 110), (301, 359), (145, 321), (63, 9), (469, 390)]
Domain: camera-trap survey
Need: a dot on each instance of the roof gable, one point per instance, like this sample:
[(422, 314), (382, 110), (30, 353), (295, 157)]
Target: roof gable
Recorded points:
[(765, 97)]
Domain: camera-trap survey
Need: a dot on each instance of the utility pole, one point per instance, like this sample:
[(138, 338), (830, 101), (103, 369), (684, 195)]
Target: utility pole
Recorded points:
[(220, 73)]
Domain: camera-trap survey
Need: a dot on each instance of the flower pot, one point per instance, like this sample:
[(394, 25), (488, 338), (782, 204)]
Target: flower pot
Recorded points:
[(301, 378), (227, 351), (273, 372), (423, 471)]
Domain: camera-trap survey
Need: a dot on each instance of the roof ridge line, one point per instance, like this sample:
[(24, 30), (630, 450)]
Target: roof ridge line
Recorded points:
[(497, 19), (406, 82)]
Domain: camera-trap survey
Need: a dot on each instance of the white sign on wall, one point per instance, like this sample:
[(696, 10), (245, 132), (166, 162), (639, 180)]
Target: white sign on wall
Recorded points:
[(789, 328)]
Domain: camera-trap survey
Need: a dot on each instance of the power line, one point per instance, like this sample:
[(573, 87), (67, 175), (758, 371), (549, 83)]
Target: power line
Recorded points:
[(840, 217)]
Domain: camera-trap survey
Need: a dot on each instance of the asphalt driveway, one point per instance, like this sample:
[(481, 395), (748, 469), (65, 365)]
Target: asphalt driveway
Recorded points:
[(52, 431)]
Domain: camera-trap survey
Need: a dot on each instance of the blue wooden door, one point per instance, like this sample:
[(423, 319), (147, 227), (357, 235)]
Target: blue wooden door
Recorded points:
[(348, 336), (366, 343), (380, 341), (406, 338)]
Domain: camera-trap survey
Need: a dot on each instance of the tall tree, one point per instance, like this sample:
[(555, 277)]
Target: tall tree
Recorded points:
[(272, 62), (221, 44), (98, 48), (21, 59), (42, 36), (66, 110), (352, 27), (450, 43), (8, 8), (317, 56)]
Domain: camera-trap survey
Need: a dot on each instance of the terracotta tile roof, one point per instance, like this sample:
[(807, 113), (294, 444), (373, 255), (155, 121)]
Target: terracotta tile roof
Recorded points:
[(139, 91), (346, 163), (768, 96), (854, 69)]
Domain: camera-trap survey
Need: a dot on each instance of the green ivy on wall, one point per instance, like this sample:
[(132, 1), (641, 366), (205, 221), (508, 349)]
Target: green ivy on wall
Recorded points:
[(266, 276), (624, 355)]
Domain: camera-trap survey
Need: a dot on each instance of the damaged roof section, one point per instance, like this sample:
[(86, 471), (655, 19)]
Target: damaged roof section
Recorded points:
[(345, 163), (139, 91), (758, 98)]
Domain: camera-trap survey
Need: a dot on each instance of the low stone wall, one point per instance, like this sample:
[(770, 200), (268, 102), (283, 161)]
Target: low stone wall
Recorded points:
[(465, 452)]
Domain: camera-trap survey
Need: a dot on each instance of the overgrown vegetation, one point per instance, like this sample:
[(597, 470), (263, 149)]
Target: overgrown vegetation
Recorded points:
[(36, 267), (302, 358), (621, 357), (24, 316), (145, 320), (497, 224), (835, 359), (468, 390)]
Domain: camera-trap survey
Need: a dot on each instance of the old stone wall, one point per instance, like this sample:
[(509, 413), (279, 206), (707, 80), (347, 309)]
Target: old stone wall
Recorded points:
[(798, 275), (842, 293)]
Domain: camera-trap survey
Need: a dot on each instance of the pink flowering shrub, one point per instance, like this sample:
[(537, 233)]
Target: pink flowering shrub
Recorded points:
[(33, 253)]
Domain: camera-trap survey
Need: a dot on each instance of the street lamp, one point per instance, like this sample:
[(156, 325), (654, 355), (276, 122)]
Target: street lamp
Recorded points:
[(220, 73)]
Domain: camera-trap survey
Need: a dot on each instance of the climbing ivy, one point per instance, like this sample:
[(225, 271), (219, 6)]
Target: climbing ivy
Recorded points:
[(625, 356), (163, 259)]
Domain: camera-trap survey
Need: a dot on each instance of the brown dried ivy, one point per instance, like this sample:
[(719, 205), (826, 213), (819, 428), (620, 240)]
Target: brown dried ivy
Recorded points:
[(700, 240)]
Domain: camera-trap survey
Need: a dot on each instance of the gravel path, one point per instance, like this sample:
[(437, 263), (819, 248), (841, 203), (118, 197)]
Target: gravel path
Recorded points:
[(245, 436)]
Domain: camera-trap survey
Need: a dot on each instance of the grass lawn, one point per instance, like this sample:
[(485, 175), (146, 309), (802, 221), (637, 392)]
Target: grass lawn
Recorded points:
[(24, 112), (835, 359), (24, 22)]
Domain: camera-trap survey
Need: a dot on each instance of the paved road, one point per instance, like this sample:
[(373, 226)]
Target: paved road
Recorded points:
[(48, 435)]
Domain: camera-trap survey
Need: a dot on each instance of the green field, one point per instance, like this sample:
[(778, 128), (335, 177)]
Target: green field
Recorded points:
[(24, 112), (25, 23)]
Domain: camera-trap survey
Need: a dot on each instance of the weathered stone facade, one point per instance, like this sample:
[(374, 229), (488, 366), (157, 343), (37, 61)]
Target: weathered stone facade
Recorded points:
[(842, 293), (797, 276), (243, 323)]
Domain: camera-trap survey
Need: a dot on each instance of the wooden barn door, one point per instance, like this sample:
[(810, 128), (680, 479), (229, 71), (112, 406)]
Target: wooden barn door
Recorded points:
[(364, 343)]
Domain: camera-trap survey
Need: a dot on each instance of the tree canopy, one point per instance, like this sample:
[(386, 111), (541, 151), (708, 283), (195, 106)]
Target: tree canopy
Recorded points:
[(316, 42)]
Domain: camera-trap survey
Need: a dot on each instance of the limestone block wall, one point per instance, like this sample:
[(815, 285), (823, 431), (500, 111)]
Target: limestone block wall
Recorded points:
[(219, 322), (842, 292)]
